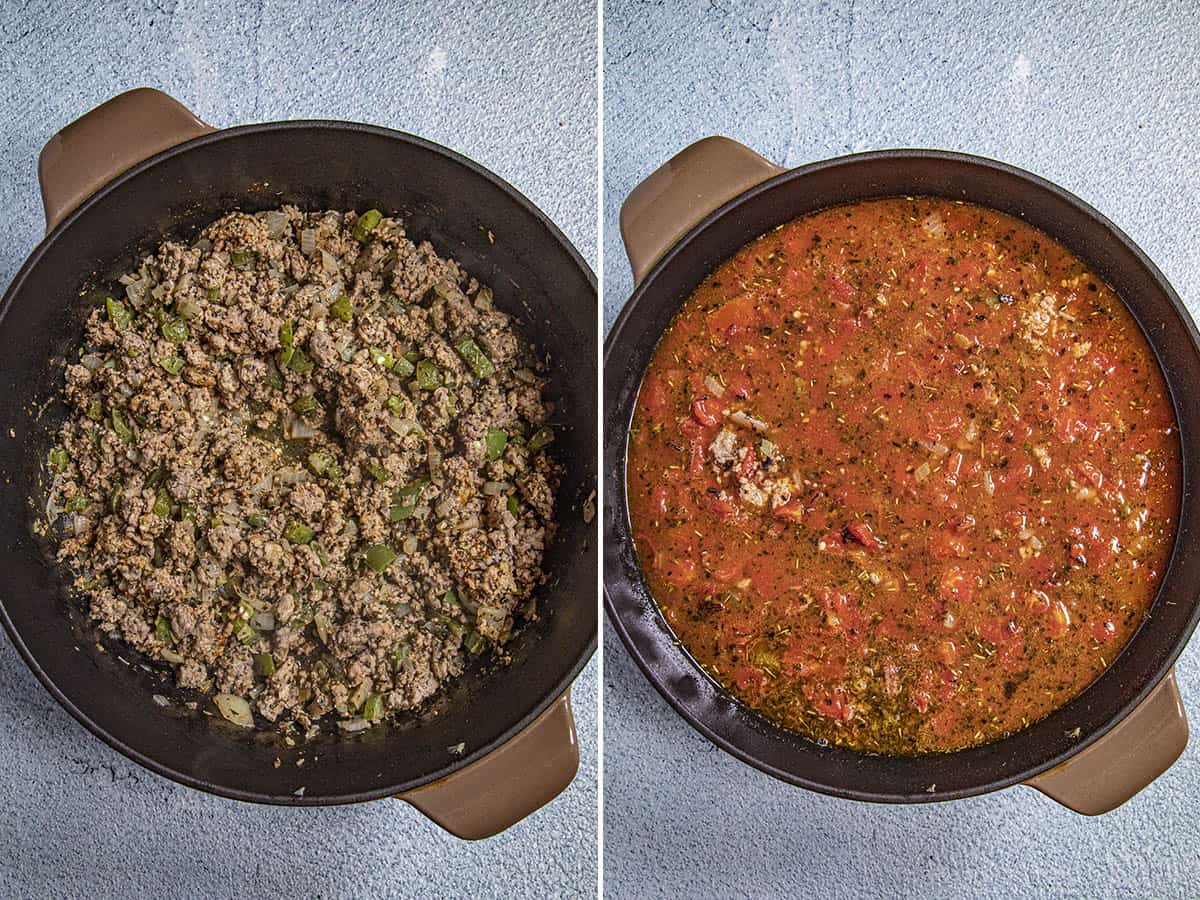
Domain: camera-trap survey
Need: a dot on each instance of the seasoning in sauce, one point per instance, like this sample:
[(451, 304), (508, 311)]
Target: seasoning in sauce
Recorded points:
[(904, 475)]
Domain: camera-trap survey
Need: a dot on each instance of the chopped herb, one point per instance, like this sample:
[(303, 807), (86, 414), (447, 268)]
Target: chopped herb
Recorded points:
[(118, 313), (495, 442), (256, 520), (241, 259), (298, 532), (77, 504), (244, 631), (124, 432), (404, 501), (95, 411), (307, 408), (275, 380), (342, 308), (381, 357), (543, 437), (162, 504), (395, 404), (212, 294), (173, 364), (322, 556), (379, 557), (475, 358), (473, 642), (57, 459), (300, 363), (114, 497), (514, 505), (379, 473), (403, 367), (373, 707), (174, 329), (428, 376), (287, 342), (264, 664), (397, 656), (367, 223), (319, 461), (162, 630)]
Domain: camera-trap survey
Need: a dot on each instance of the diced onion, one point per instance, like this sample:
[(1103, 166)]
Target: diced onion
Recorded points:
[(935, 449), (401, 427), (922, 471), (264, 621), (433, 457), (714, 387), (353, 725), (741, 418), (91, 361), (277, 223), (296, 429), (171, 656), (308, 241), (409, 546), (235, 709), (468, 523), (496, 488), (187, 307), (443, 509), (989, 486), (329, 262)]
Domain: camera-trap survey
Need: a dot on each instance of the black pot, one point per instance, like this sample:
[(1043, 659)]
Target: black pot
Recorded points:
[(697, 211), (140, 169)]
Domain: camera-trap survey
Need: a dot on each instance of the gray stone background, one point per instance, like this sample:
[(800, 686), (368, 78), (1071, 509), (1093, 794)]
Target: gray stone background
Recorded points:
[(1102, 98), (511, 86)]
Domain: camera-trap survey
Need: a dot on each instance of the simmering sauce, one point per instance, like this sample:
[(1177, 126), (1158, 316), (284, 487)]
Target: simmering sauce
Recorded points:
[(904, 475)]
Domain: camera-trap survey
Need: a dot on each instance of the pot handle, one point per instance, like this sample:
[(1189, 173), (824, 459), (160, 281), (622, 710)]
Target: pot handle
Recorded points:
[(103, 143), (516, 779), (681, 192), (1142, 746)]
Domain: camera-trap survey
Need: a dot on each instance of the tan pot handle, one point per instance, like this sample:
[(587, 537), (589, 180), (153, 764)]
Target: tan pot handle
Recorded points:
[(681, 192), (514, 780), (103, 143), (1138, 750)]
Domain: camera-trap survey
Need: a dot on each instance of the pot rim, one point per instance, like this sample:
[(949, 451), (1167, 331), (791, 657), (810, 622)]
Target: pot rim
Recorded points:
[(572, 671), (618, 530)]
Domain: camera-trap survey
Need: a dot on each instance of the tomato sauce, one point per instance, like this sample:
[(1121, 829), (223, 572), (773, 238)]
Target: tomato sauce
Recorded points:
[(904, 475)]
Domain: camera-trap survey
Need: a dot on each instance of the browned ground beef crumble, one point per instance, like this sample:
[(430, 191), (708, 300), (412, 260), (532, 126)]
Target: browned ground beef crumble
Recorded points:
[(305, 465)]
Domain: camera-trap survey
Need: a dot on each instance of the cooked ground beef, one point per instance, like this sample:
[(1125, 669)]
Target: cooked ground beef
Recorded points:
[(305, 465)]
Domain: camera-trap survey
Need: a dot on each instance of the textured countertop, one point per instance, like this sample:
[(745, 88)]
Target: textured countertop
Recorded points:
[(513, 90), (1103, 99)]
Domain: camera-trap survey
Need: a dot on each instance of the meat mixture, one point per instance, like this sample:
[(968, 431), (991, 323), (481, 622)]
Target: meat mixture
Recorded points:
[(305, 465), (904, 475)]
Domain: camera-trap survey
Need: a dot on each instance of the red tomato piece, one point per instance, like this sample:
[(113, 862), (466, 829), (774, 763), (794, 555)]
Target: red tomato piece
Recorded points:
[(948, 545), (955, 584), (706, 410), (829, 702), (860, 533), (749, 464), (742, 311)]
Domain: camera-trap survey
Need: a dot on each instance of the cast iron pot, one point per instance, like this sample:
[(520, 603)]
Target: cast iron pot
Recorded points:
[(698, 210), (142, 168)]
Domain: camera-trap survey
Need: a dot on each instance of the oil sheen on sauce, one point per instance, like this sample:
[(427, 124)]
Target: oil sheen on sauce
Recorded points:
[(904, 475)]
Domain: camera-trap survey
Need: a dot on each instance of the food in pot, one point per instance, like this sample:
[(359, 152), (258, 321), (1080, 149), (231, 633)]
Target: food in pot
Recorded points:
[(904, 475), (305, 463)]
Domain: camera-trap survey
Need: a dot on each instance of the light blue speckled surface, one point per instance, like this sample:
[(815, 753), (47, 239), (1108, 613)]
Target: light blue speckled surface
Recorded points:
[(513, 90), (1104, 99)]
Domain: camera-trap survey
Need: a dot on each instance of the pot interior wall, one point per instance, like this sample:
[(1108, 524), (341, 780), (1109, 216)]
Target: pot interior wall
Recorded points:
[(500, 239), (631, 344)]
